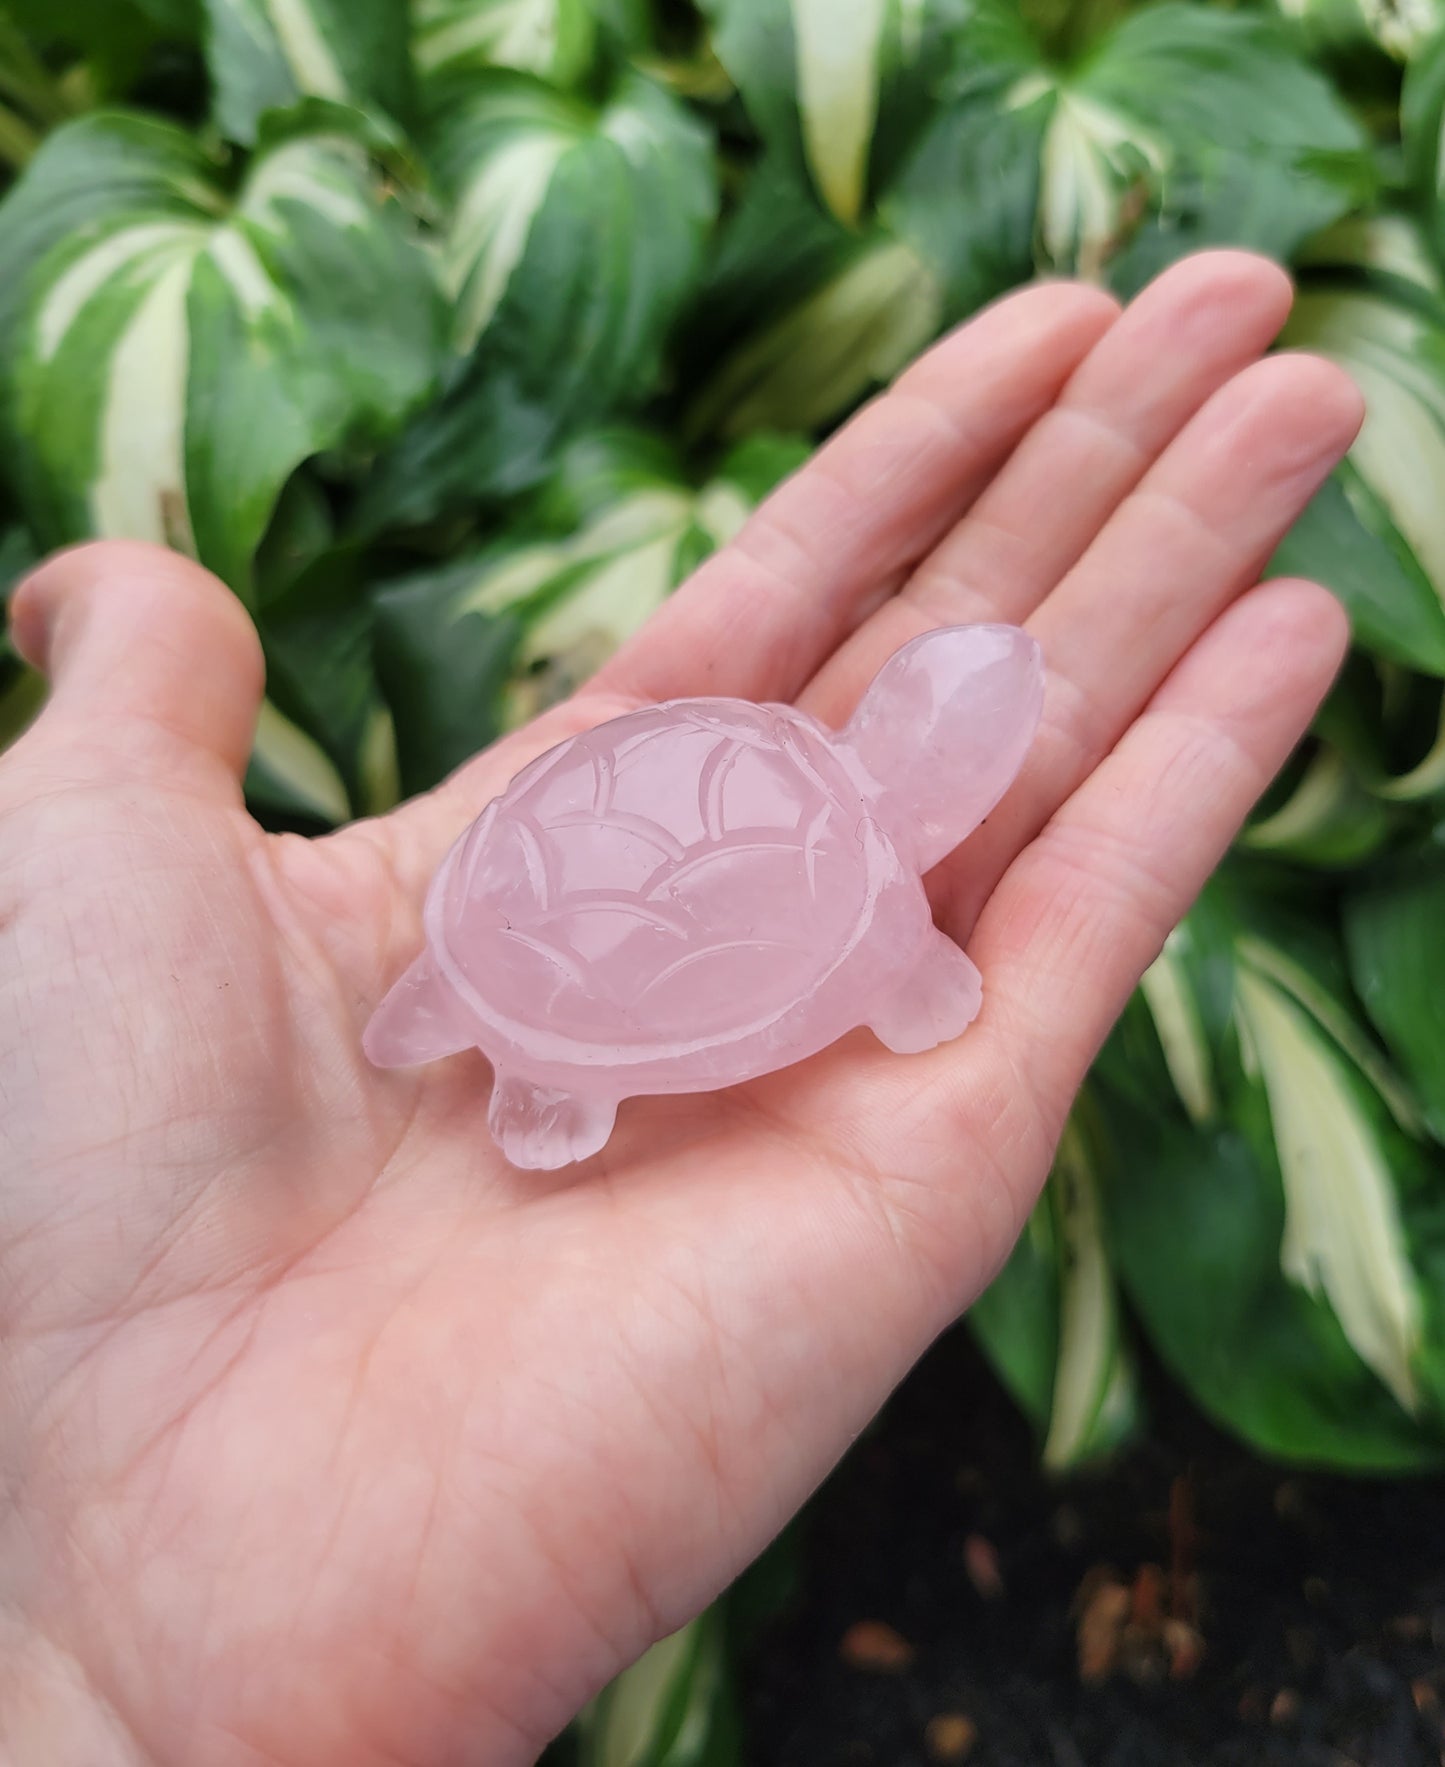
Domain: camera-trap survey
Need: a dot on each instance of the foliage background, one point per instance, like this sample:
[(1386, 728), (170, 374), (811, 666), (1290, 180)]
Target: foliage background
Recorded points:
[(453, 334)]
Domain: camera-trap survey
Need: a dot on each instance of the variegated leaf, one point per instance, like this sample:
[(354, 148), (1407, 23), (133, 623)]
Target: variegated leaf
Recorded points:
[(1393, 927), (488, 641), (290, 776), (552, 38), (1051, 1323), (1344, 1239), (1330, 1324), (664, 1710), (1196, 121), (1390, 337), (839, 338), (1168, 990), (1330, 819), (576, 232), (1094, 1405), (266, 54), (837, 88), (1345, 27), (170, 353)]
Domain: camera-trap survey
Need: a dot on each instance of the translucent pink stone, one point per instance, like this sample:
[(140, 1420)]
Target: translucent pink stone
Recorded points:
[(707, 890)]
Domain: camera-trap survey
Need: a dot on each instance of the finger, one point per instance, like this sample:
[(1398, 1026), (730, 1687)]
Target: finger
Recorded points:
[(1193, 537), (761, 616), (1086, 908), (155, 668), (1181, 340)]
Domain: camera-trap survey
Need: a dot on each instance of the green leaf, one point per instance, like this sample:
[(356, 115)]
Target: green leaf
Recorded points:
[(170, 353), (968, 197), (22, 689), (1330, 819), (576, 234), (1426, 779), (18, 554), (1422, 118), (317, 636), (1343, 1238), (1397, 959), (114, 38), (1393, 346), (290, 780), (22, 693), (1346, 26), (1050, 1321), (1324, 1259), (1016, 1318), (846, 335), (1095, 1402), (266, 54), (1347, 540), (555, 39), (1168, 990), (670, 1709), (1186, 126), (837, 89), (485, 642), (774, 247), (1196, 1218)]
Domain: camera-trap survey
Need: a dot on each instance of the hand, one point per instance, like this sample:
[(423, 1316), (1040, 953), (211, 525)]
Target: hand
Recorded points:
[(325, 1436)]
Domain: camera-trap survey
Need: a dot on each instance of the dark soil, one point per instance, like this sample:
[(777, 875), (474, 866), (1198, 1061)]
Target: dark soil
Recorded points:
[(1238, 1614)]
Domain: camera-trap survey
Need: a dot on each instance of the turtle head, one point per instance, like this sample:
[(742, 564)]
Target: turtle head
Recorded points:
[(944, 729)]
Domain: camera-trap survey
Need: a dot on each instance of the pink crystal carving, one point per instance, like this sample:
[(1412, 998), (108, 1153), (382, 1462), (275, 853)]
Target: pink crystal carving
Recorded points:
[(701, 892)]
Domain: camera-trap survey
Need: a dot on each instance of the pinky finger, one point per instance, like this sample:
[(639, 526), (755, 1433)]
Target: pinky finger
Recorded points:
[(1085, 909)]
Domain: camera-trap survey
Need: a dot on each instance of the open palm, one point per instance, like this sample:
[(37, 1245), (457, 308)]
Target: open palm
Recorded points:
[(326, 1436)]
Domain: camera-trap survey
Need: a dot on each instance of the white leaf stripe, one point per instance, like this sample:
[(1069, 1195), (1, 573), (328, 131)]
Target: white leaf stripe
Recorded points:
[(838, 51), (817, 357), (621, 567), (493, 221), (101, 265), (511, 33), (293, 28), (1090, 1368), (1170, 998), (628, 1725), (288, 759), (1331, 1017), (235, 257), (140, 486), (306, 50), (106, 375), (1343, 1237), (1401, 449), (320, 174)]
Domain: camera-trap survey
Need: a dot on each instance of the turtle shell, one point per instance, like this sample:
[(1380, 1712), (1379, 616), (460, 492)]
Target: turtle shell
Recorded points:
[(681, 876)]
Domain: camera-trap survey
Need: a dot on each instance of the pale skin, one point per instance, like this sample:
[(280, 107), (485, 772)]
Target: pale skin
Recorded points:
[(325, 1436)]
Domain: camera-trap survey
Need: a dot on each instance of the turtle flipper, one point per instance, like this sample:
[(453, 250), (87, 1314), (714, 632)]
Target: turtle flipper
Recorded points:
[(936, 1000), (420, 1020), (540, 1127)]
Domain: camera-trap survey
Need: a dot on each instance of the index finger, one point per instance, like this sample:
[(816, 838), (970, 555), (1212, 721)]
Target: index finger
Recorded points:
[(763, 614)]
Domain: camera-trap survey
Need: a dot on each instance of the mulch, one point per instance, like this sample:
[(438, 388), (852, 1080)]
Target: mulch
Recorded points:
[(1192, 1606)]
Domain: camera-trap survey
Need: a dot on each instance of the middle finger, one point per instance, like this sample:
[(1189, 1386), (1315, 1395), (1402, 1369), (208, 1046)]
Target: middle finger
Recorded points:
[(1181, 340)]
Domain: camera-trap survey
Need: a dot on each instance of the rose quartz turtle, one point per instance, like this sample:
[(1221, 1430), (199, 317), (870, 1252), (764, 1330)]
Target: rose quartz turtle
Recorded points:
[(703, 891)]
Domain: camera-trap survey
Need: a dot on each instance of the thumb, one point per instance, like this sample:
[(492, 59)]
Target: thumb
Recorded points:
[(155, 667)]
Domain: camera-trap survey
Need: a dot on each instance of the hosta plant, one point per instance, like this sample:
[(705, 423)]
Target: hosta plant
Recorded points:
[(452, 334)]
